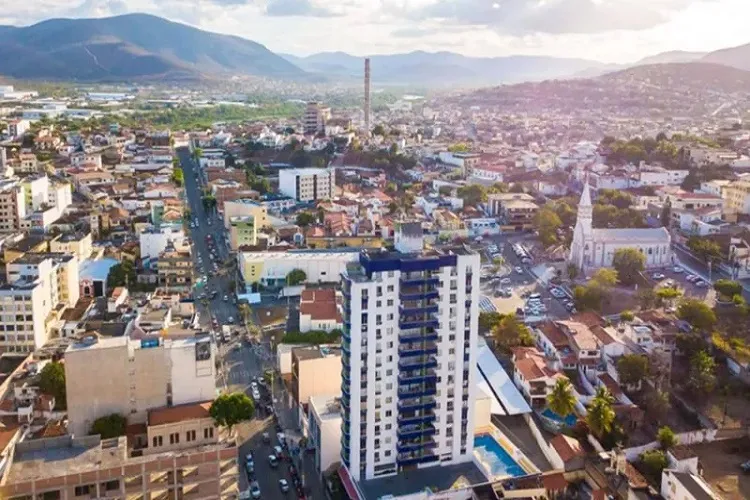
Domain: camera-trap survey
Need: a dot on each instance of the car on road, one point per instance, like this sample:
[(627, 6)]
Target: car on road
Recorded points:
[(226, 298), (273, 461), (519, 270), (556, 292), (701, 284), (677, 269), (658, 276), (283, 485), (278, 451), (230, 320), (255, 489), (691, 278), (505, 281)]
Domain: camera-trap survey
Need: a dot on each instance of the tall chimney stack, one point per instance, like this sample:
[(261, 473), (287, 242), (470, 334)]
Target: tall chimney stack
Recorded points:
[(367, 96)]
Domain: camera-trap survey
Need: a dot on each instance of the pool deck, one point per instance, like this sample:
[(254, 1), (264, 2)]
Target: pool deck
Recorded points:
[(413, 481), (518, 432)]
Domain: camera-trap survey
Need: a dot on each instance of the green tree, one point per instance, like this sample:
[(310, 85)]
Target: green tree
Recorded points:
[(197, 153), (728, 288), (627, 316), (122, 274), (296, 277), (109, 426), (697, 313), (600, 416), (473, 194), (208, 201), (646, 298), (228, 410), (701, 375), (178, 177), (52, 382), (706, 249), (632, 369), (547, 222), (445, 190), (510, 332), (561, 399), (666, 437), (605, 278), (657, 404), (304, 219), (379, 130), (459, 147), (588, 297), (668, 293), (489, 320), (629, 263), (654, 462)]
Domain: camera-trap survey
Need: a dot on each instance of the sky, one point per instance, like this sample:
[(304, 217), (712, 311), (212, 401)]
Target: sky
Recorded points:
[(618, 31)]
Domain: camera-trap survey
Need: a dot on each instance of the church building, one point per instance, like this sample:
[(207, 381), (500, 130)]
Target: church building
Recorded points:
[(595, 248)]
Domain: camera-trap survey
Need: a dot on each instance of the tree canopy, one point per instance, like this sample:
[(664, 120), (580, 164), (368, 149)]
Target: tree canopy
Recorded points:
[(600, 416), (629, 263), (489, 320), (228, 410), (109, 426), (547, 222), (510, 332), (706, 249), (177, 176), (666, 437), (473, 194), (702, 374), (632, 369), (304, 219), (52, 381), (296, 277), (697, 313), (561, 399), (728, 288)]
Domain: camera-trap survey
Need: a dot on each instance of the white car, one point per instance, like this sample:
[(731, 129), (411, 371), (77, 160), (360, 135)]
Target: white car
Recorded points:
[(677, 269), (519, 270), (658, 276), (701, 284), (691, 278)]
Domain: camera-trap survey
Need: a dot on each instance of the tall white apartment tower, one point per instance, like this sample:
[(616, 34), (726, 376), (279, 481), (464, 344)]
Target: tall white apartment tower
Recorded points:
[(409, 348)]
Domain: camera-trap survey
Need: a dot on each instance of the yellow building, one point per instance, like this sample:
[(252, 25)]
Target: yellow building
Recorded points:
[(242, 232), (245, 208), (737, 197)]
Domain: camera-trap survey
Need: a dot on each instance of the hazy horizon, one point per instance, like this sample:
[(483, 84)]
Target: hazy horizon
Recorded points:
[(610, 31)]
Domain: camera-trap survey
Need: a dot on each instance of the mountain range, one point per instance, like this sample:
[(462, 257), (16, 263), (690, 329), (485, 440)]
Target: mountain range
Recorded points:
[(141, 47)]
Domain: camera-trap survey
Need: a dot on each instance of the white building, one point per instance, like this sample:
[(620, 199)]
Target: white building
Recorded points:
[(12, 205), (409, 357), (23, 333), (16, 128), (685, 486), (307, 184), (659, 177), (57, 273), (595, 248), (271, 268), (324, 430), (154, 241)]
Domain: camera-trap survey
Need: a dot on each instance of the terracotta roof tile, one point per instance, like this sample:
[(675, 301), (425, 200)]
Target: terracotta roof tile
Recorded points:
[(567, 447), (191, 411), (555, 481)]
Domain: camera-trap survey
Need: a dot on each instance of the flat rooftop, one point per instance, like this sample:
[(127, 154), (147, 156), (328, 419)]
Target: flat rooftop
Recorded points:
[(55, 457), (315, 352), (328, 407), (440, 477)]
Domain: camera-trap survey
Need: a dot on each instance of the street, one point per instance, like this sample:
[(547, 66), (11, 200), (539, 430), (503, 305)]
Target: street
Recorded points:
[(241, 360)]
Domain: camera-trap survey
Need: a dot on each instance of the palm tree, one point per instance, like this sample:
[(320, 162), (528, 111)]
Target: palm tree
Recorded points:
[(601, 416), (561, 399)]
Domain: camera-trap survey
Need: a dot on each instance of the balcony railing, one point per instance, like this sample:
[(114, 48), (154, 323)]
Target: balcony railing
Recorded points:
[(414, 404), (416, 392), (416, 458), (418, 376), (417, 349), (425, 336), (410, 363), (414, 419), (416, 430)]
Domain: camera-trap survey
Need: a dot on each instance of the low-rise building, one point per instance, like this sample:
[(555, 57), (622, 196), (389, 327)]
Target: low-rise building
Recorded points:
[(316, 370), (676, 485), (78, 244), (515, 210), (324, 430), (242, 232), (272, 268), (174, 269), (319, 310)]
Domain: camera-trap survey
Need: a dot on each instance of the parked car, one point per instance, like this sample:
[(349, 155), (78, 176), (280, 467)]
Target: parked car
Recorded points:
[(701, 284), (283, 485), (658, 276), (519, 270), (255, 489), (273, 460), (677, 269)]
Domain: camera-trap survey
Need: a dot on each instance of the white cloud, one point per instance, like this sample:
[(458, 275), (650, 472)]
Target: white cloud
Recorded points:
[(609, 30)]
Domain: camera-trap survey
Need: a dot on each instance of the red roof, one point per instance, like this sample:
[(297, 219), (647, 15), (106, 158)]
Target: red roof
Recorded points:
[(320, 305)]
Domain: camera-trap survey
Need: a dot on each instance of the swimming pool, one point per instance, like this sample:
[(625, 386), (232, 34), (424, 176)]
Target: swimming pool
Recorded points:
[(569, 420), (494, 457)]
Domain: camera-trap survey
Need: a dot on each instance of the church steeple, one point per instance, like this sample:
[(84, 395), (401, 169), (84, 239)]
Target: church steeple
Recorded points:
[(585, 210)]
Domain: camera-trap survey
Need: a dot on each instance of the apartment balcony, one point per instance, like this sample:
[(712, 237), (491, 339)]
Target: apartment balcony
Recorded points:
[(413, 431), (414, 293), (412, 363), (424, 280), (430, 320), (412, 458), (417, 349), (416, 392), (417, 376), (416, 309), (419, 444), (416, 404), (423, 336), (345, 389)]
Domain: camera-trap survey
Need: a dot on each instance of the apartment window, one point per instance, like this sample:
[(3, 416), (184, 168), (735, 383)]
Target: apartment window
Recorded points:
[(388, 413), (158, 441), (379, 303), (379, 291), (82, 490), (174, 438), (390, 288), (208, 433), (112, 485), (390, 302), (190, 435), (388, 427)]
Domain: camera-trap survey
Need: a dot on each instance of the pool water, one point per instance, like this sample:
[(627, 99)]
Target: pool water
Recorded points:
[(569, 420), (494, 456)]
